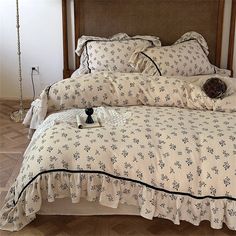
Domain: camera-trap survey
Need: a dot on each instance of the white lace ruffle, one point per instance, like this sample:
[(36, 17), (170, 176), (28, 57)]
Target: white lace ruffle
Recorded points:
[(37, 112), (107, 116)]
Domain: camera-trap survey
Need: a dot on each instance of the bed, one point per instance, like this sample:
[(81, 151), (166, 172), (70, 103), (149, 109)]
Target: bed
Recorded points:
[(165, 149)]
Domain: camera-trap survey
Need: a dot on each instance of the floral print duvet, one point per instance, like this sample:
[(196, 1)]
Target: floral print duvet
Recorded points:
[(174, 157)]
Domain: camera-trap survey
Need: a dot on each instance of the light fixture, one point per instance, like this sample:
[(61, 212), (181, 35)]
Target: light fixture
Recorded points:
[(18, 116)]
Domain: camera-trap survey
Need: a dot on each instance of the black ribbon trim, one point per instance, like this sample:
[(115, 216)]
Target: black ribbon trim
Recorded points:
[(86, 47), (152, 62), (192, 39), (122, 178)]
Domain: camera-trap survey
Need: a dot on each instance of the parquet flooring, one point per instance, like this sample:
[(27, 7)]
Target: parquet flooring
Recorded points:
[(13, 140)]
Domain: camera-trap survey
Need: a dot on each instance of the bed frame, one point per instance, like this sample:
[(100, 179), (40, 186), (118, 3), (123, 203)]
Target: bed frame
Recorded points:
[(231, 37), (168, 19)]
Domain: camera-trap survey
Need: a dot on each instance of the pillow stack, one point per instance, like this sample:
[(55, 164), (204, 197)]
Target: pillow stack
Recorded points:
[(188, 56)]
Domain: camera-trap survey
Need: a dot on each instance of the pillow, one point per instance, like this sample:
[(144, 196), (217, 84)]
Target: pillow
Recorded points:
[(111, 54), (184, 58)]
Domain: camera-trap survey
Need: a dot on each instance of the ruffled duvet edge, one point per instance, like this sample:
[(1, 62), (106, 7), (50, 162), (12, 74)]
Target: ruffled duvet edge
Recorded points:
[(108, 191)]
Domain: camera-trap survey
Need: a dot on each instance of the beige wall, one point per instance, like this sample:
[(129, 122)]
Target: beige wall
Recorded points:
[(41, 45)]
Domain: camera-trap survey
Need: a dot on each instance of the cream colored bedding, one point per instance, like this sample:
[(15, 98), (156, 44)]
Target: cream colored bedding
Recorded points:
[(129, 89), (174, 157)]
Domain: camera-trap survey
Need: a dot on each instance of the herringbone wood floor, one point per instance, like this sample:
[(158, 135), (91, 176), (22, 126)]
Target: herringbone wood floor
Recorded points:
[(13, 141)]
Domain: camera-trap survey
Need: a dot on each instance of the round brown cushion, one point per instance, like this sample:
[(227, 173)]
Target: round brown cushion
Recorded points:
[(214, 88)]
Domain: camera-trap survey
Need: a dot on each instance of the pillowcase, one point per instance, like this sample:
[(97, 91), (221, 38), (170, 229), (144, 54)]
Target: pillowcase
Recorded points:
[(111, 54), (187, 57)]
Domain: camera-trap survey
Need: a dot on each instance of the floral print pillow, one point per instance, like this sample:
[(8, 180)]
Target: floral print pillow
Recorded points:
[(196, 36), (110, 54), (187, 57), (113, 55)]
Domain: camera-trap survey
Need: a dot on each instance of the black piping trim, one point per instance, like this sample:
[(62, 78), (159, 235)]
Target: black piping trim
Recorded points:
[(152, 62), (186, 40), (49, 87), (191, 39), (86, 47), (118, 40), (214, 69), (122, 178)]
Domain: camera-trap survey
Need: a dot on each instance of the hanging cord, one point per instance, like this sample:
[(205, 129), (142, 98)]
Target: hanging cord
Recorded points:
[(32, 81), (19, 53)]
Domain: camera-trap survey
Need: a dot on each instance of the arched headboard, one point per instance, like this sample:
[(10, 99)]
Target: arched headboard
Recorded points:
[(168, 19)]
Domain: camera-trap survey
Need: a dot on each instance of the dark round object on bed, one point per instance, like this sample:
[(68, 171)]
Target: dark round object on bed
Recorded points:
[(214, 88), (89, 112)]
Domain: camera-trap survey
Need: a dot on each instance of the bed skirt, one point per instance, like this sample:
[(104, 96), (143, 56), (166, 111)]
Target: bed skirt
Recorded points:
[(64, 206)]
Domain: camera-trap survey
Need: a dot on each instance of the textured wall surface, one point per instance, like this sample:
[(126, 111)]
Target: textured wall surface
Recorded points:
[(41, 37)]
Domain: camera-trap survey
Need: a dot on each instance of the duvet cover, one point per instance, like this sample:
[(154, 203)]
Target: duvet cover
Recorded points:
[(164, 146)]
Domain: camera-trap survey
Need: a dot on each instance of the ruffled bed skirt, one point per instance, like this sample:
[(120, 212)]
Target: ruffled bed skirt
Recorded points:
[(17, 213)]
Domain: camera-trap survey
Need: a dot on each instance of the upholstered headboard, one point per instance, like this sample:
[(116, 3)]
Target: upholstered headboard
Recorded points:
[(168, 19)]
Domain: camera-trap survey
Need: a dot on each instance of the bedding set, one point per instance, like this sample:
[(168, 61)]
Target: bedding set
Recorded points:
[(164, 145)]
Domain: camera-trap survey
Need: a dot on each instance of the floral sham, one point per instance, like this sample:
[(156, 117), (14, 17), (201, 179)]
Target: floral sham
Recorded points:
[(168, 160), (110, 54), (187, 57)]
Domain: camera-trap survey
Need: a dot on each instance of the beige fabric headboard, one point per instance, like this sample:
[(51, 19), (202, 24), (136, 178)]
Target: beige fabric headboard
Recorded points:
[(167, 19)]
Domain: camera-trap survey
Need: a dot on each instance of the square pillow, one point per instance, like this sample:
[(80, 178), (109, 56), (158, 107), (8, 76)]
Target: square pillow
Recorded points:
[(184, 58), (111, 54)]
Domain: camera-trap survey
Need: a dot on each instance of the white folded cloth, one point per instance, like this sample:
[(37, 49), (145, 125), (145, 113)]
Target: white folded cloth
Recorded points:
[(37, 112)]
